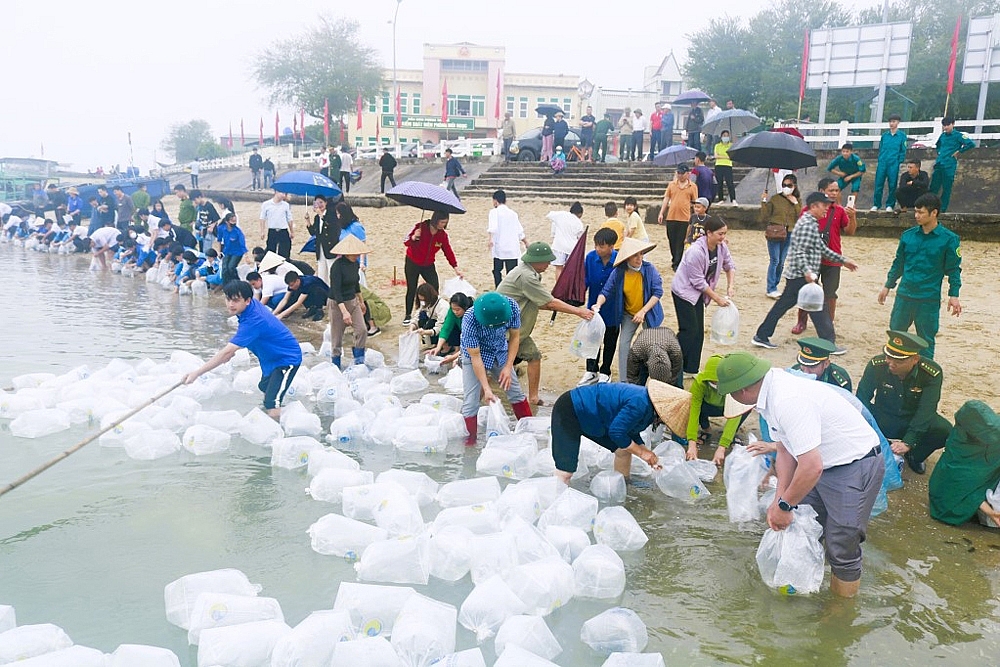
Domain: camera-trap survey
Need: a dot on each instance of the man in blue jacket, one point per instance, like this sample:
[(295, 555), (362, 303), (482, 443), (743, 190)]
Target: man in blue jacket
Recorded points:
[(891, 153), (597, 267)]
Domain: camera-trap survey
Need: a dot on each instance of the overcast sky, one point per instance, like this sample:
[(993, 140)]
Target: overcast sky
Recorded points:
[(78, 76)]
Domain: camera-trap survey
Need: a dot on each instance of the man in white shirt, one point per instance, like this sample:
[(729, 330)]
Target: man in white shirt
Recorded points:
[(104, 242), (269, 288), (276, 225), (193, 169), (566, 230), (346, 165), (711, 112), (828, 457), (506, 236), (638, 131)]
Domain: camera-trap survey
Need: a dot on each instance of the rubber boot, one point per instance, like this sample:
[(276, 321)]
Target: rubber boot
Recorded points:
[(521, 409), (359, 355), (800, 324), (831, 307), (472, 426), (335, 361)]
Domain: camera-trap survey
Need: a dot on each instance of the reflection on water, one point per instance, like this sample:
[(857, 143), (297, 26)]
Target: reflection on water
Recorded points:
[(90, 544)]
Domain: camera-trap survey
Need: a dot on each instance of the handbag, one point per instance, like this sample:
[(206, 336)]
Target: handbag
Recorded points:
[(775, 232)]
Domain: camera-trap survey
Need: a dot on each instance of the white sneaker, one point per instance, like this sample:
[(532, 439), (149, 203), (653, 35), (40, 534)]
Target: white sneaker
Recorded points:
[(774, 294), (873, 209), (602, 378), (889, 209), (588, 378)]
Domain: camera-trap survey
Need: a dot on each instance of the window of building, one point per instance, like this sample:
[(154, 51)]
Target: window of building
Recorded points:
[(404, 103), (479, 106), (523, 107), (567, 104), (541, 101), (372, 108), (510, 105), (464, 65), (460, 105), (671, 88), (416, 104), (385, 103)]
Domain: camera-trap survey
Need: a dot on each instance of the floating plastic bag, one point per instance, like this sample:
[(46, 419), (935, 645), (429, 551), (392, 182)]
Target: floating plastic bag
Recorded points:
[(681, 482), (369, 651), (151, 445), (468, 492), (259, 429), (424, 631), (409, 350), (27, 641), (742, 474), (312, 641), (74, 656), (725, 325), (442, 402), (215, 610), (180, 595), (515, 656), (408, 383), (481, 519), (399, 514), (492, 554), (351, 427), (543, 585), (244, 645), (14, 405), (328, 485), (423, 439), (615, 527), (617, 629), (40, 423), (417, 484), (519, 501), (453, 382), (302, 424), (530, 542), (336, 535), (587, 338), (540, 427), (131, 655), (359, 502), (292, 453), (497, 421), (452, 426), (450, 552), (510, 463), (373, 608), (374, 359), (488, 605), (455, 285), (571, 508), (567, 540), (472, 657), (530, 633), (8, 619), (544, 464), (791, 560), (401, 560), (598, 572), (626, 659), (202, 440), (330, 458), (609, 486)]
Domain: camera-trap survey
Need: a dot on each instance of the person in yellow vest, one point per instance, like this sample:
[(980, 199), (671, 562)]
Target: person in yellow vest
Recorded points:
[(724, 168)]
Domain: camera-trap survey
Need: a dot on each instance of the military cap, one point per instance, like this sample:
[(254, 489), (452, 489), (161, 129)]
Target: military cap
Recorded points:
[(814, 351), (903, 345)]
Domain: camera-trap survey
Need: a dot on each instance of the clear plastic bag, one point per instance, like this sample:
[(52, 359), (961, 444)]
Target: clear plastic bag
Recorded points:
[(368, 651), (202, 440), (680, 481), (401, 560), (336, 535), (742, 474), (468, 492), (497, 421), (442, 402), (571, 508), (180, 595), (259, 429), (481, 519), (417, 484), (227, 421), (244, 645), (8, 618), (424, 631), (616, 630), (452, 382), (598, 572), (791, 560), (519, 501), (450, 552), (567, 540), (74, 656), (130, 655), (615, 527), (628, 659), (488, 605), (359, 502), (399, 514), (408, 383), (328, 485), (530, 633), (609, 486), (495, 553), (373, 608), (456, 284), (40, 423), (27, 641), (505, 462), (302, 424), (543, 585), (530, 542), (152, 445), (409, 350), (294, 452), (705, 470), (312, 641), (215, 610), (472, 657), (515, 656), (725, 325), (587, 338), (424, 439), (330, 458)]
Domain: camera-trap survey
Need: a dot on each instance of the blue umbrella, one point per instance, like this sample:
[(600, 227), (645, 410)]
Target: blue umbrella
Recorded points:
[(426, 197), (689, 96), (737, 121), (674, 155), (307, 183)]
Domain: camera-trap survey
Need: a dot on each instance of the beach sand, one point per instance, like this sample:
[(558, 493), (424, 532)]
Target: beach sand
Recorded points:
[(967, 347)]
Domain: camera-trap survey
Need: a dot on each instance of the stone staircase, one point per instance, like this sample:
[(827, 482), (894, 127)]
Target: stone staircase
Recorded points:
[(584, 182)]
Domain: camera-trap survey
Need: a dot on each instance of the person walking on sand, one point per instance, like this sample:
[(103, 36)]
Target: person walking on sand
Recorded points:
[(422, 245), (452, 170), (506, 236)]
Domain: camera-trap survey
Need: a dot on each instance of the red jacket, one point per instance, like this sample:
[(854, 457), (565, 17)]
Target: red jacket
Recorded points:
[(423, 250)]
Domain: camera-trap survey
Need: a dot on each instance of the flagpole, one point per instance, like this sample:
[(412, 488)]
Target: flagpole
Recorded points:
[(395, 82)]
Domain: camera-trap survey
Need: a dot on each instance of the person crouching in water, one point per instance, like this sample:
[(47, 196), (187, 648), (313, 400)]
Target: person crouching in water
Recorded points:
[(347, 306), (613, 415)]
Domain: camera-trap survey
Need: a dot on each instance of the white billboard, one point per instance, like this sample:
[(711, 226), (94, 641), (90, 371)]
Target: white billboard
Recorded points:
[(981, 48), (855, 56)]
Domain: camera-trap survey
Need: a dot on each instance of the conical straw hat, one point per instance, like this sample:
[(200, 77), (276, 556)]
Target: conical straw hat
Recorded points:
[(351, 245), (271, 260), (672, 404), (630, 247)]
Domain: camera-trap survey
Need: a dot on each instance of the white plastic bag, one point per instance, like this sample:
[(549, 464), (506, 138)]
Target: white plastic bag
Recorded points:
[(130, 655), (481, 519), (417, 484), (681, 482), (530, 542), (399, 515), (468, 492), (74, 656), (488, 606), (497, 421), (152, 445), (608, 486), (495, 553), (401, 560), (422, 439), (259, 429), (409, 350), (424, 631), (520, 501), (442, 402), (791, 560), (292, 453), (571, 508), (615, 527), (202, 440), (227, 421), (742, 475), (40, 423), (599, 573), (373, 608), (472, 657), (452, 382), (506, 462), (450, 552), (368, 651), (567, 540), (27, 641), (543, 585), (408, 383), (628, 659), (312, 641), (301, 424), (336, 535), (515, 656), (244, 645), (725, 325), (330, 458), (180, 595), (215, 610), (587, 338), (329, 484), (456, 284), (359, 502), (530, 633), (617, 629)]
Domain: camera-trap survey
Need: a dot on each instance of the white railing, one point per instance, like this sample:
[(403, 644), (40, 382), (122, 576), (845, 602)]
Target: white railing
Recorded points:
[(459, 147), (280, 155), (924, 133)]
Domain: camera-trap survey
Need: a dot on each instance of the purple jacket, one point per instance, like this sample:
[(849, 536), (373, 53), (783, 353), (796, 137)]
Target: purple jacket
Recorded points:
[(689, 282)]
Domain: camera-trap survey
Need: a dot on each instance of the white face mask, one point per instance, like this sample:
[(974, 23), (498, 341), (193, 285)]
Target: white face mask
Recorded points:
[(725, 140), (787, 191), (634, 268)]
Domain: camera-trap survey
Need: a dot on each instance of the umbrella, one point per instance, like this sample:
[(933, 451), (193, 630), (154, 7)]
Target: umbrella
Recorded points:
[(310, 245), (549, 109), (571, 286), (308, 183), (737, 121), (689, 96), (788, 130), (773, 150), (672, 156), (426, 197)]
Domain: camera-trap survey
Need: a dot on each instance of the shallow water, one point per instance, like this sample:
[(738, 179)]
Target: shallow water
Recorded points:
[(90, 544)]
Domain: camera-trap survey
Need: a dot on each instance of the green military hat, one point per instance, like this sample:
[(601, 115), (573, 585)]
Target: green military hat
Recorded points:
[(538, 252), (739, 370), (814, 351), (903, 345)]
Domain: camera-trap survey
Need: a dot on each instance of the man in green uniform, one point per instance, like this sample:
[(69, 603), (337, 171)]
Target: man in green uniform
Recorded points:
[(187, 213), (814, 358), (902, 390), (848, 168), (891, 153), (949, 144), (601, 130), (524, 285), (925, 255)]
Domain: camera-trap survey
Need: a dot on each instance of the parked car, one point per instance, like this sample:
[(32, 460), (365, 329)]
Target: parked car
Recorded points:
[(528, 146)]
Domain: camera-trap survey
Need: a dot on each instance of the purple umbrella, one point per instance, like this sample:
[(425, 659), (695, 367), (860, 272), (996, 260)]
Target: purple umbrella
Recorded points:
[(426, 197), (672, 156)]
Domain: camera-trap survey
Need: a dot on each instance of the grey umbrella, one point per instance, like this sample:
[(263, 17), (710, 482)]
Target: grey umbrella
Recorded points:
[(737, 121), (693, 95), (674, 155)]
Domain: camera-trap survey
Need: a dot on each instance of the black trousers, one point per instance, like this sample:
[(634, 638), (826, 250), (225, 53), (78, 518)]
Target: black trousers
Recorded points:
[(385, 175), (608, 352), (788, 300), (724, 177), (316, 297), (690, 331), (676, 231), (280, 242), (566, 433), (499, 265), (344, 181), (414, 272)]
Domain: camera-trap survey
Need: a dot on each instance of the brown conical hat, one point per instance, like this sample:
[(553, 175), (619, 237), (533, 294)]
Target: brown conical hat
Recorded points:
[(631, 246), (351, 245), (672, 404)]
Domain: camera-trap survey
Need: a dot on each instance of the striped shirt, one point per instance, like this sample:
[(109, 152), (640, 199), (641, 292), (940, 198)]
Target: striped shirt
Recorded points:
[(658, 350), (808, 249), (491, 341)]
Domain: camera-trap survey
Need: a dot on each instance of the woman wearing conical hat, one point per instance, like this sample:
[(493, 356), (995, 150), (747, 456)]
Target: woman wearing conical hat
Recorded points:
[(347, 307)]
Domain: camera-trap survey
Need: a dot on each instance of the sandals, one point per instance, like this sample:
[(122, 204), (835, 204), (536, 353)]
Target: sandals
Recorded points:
[(703, 438)]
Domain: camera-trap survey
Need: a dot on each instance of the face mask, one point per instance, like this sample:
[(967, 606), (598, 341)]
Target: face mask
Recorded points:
[(633, 268), (725, 140), (787, 191)]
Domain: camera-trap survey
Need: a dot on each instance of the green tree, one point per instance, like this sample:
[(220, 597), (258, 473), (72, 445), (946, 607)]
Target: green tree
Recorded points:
[(187, 141), (326, 62)]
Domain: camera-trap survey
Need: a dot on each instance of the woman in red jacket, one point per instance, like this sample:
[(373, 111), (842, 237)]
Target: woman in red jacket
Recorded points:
[(422, 244)]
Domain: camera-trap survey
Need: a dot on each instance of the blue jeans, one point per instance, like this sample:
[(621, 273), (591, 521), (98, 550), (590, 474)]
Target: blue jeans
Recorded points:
[(776, 251)]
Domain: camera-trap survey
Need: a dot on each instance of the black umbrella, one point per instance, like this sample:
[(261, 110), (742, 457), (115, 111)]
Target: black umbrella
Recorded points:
[(549, 109), (426, 197), (773, 150), (689, 96)]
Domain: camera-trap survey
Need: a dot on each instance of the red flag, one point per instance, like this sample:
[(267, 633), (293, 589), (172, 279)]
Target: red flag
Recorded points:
[(399, 111), (496, 110), (326, 121), (261, 144), (230, 136), (444, 102), (357, 111), (302, 123), (378, 126), (805, 67), (243, 139), (954, 55), (342, 126), (295, 125), (277, 133)]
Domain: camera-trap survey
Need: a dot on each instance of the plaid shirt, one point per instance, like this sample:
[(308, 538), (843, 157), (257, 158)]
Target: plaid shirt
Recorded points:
[(491, 341), (808, 249)]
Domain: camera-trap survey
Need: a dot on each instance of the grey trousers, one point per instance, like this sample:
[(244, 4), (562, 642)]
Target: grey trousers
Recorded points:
[(472, 388), (337, 326)]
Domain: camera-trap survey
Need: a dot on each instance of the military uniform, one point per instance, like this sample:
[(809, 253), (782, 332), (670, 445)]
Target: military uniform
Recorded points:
[(814, 351), (906, 408)]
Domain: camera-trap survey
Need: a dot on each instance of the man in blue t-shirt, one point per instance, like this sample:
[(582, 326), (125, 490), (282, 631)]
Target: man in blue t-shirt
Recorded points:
[(263, 334)]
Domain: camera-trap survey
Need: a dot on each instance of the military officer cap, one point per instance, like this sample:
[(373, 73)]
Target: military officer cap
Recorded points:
[(814, 351), (903, 345)]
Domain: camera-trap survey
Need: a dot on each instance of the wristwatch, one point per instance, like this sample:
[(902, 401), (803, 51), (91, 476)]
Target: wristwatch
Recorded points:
[(784, 506)]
